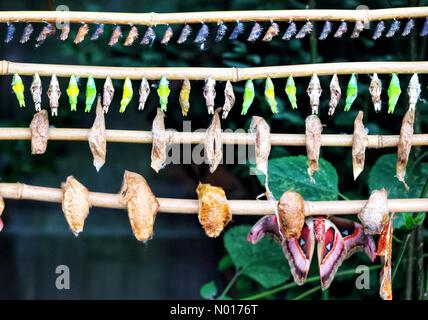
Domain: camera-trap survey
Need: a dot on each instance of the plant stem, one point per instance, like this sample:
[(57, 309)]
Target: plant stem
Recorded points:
[(307, 293), (400, 256), (409, 269), (293, 284), (230, 284), (341, 195)]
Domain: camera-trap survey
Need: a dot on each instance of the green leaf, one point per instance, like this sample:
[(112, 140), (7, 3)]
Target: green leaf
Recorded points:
[(208, 290), (263, 262), (382, 175), (290, 173), (225, 263)]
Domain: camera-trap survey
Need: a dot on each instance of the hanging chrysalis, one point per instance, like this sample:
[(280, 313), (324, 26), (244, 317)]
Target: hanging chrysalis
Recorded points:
[(81, 33), (75, 204), (326, 30), (335, 94), (410, 24), (213, 144), (341, 30), (97, 137), (127, 95), (291, 215), (413, 91), (359, 145), (221, 32), (249, 95), (255, 32), (91, 94), (290, 32), (375, 214), (131, 37), (214, 212), (18, 89), (39, 128), (73, 93), (36, 92), (358, 28), (47, 31), (270, 95), (305, 30), (149, 37), (65, 31), (167, 35), (185, 32), (351, 92), (313, 143), (163, 93), (405, 145), (144, 92), (26, 34), (229, 99), (237, 31), (142, 205), (54, 92), (291, 90), (160, 142), (314, 92), (10, 32), (116, 34), (424, 30), (395, 26), (185, 97), (98, 32), (271, 32), (108, 93), (380, 27), (202, 36), (262, 144), (209, 94), (375, 90), (394, 91)]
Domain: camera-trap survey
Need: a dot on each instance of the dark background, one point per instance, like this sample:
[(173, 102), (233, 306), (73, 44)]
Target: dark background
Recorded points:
[(106, 261)]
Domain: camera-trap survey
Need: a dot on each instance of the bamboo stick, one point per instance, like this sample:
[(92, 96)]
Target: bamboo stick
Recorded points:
[(153, 18), (19, 191), (236, 138), (221, 74)]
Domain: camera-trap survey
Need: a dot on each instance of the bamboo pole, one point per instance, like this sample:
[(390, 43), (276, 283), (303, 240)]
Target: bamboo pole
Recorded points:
[(236, 138), (221, 74), (154, 18), (19, 191)]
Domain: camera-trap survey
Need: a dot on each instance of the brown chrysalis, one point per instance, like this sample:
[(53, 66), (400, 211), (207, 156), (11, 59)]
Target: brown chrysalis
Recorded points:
[(65, 31), (291, 214), (108, 93), (335, 94), (359, 145), (141, 203), (75, 204), (213, 144), (167, 35), (214, 212), (97, 137), (263, 144), (54, 92), (132, 36), (39, 128), (81, 33), (375, 90), (313, 143), (375, 214), (404, 145), (271, 32), (160, 142), (116, 34), (314, 92), (229, 99), (209, 94)]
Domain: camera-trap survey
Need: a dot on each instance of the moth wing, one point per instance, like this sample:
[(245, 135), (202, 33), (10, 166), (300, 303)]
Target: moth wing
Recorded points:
[(267, 225), (299, 252), (354, 237), (331, 253)]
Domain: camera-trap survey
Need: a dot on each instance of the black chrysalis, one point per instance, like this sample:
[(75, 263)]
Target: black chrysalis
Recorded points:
[(10, 32), (221, 32), (395, 26), (98, 32), (202, 36), (424, 30), (290, 32), (149, 37), (410, 24), (26, 34), (380, 27), (341, 30), (255, 32), (237, 31), (325, 30), (185, 32), (305, 30)]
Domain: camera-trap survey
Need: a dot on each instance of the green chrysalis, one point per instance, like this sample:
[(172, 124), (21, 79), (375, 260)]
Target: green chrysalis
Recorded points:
[(91, 93), (351, 92), (290, 90), (394, 92), (270, 95), (248, 96)]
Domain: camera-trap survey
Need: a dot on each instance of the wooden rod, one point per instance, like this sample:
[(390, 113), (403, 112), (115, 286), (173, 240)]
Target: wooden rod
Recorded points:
[(154, 18), (19, 191), (238, 138), (220, 74)]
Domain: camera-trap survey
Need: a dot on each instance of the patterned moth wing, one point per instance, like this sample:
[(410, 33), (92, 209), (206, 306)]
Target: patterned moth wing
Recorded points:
[(354, 237), (299, 252), (266, 226), (331, 253)]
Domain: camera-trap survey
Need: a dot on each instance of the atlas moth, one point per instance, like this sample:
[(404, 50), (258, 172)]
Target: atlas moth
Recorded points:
[(337, 240)]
